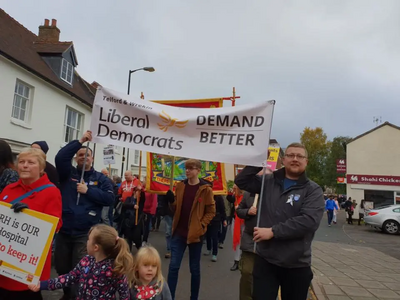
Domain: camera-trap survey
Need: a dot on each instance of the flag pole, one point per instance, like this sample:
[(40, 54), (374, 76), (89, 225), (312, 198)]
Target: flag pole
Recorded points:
[(260, 201), (233, 104), (83, 171)]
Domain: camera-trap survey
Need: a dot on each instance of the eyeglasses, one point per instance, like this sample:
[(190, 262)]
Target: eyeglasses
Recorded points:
[(297, 156)]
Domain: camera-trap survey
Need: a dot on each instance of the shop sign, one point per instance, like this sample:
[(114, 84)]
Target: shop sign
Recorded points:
[(373, 179), (341, 180), (341, 165)]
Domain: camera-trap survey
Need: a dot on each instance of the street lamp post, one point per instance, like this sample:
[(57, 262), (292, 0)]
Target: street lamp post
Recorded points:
[(147, 69)]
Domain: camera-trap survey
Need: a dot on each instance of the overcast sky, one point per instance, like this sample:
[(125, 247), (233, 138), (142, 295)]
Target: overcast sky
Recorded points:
[(333, 64)]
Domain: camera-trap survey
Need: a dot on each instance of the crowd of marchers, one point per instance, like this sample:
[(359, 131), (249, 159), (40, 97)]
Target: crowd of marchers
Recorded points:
[(273, 216)]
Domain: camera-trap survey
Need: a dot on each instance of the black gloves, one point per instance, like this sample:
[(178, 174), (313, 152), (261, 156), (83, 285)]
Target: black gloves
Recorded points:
[(170, 196), (17, 207)]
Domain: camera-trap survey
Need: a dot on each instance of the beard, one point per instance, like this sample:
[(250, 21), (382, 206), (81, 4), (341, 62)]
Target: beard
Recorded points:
[(294, 170)]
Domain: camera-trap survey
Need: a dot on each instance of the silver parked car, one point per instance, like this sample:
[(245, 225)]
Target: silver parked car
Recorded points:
[(386, 218)]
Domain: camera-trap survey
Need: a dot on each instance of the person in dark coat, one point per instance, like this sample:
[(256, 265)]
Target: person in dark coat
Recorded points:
[(214, 226), (166, 212), (291, 207), (81, 212), (247, 211), (131, 231), (50, 170), (8, 174)]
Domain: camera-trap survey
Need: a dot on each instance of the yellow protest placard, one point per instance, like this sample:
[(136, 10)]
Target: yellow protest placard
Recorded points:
[(273, 157), (25, 240)]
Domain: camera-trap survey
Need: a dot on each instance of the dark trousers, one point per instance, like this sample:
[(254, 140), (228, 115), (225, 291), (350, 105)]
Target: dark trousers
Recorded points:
[(350, 218), (156, 220), (20, 295), (148, 218), (178, 247), (68, 252), (360, 216), (222, 233), (133, 235), (212, 237), (267, 278), (330, 216)]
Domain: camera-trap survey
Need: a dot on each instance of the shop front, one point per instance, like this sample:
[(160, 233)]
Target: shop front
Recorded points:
[(373, 167), (377, 189)]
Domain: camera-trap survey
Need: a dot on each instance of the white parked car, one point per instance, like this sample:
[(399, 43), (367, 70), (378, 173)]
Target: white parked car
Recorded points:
[(386, 218)]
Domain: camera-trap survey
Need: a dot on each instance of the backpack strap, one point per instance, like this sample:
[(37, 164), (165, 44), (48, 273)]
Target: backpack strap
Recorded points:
[(26, 195)]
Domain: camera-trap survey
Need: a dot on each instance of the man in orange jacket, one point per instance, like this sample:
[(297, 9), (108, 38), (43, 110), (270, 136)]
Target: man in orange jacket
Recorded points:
[(194, 209)]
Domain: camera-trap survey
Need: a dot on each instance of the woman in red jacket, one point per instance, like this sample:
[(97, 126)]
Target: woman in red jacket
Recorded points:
[(30, 165)]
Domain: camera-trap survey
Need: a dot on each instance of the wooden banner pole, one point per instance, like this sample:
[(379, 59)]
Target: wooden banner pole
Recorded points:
[(138, 193), (171, 180)]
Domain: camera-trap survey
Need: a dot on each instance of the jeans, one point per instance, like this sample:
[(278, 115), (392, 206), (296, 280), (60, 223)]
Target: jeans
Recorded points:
[(267, 278), (246, 265), (212, 237), (68, 252), (330, 216), (168, 231), (178, 247)]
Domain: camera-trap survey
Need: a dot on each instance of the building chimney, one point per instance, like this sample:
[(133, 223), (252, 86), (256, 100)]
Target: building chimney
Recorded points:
[(49, 34), (95, 84)]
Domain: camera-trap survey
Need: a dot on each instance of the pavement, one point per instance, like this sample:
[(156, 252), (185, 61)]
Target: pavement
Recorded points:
[(355, 262)]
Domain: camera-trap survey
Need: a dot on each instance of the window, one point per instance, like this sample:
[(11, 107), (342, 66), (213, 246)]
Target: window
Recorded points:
[(21, 103), (380, 198), (136, 157), (72, 125), (67, 71)]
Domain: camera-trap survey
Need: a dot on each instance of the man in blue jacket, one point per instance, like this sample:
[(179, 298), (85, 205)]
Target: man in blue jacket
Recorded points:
[(95, 192), (330, 206)]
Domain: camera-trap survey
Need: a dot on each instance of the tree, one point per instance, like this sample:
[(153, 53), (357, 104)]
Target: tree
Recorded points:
[(317, 145), (229, 184), (336, 151)]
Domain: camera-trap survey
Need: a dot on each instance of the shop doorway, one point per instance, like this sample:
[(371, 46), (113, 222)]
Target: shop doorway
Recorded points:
[(379, 198)]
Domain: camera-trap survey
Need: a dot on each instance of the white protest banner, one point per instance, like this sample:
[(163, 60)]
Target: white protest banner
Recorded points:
[(108, 155), (237, 135), (25, 240)]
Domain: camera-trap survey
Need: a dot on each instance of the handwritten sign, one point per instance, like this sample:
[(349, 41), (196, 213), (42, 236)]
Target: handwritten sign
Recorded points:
[(25, 240)]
